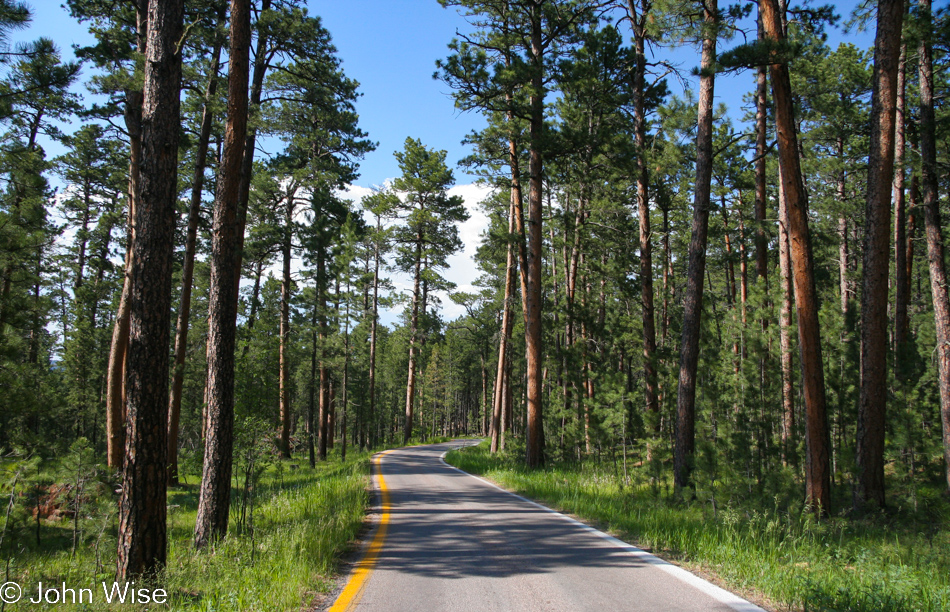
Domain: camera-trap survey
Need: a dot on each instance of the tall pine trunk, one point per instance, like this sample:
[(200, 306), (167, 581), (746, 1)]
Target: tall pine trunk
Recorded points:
[(373, 328), (188, 267), (285, 295), (901, 279), (817, 465), (311, 404), (693, 303), (115, 373), (638, 89), (413, 342), (869, 484), (845, 290), (324, 332), (215, 496), (931, 204), (534, 440), (730, 264), (668, 286), (506, 317), (142, 533), (785, 340), (262, 57), (346, 370)]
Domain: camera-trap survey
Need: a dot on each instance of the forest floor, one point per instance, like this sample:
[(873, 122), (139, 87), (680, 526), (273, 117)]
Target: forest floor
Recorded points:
[(285, 553), (897, 560), (280, 554)]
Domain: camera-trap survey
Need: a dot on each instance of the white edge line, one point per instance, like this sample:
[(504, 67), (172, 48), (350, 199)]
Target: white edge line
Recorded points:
[(730, 599)]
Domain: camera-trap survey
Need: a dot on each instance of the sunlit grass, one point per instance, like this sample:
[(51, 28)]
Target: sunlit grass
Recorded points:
[(790, 560), (303, 520)]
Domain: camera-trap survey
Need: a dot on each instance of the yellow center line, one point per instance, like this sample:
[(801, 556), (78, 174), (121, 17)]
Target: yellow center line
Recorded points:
[(353, 591)]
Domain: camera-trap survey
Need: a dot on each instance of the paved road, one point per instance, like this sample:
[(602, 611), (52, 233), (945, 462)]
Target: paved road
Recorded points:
[(456, 543)]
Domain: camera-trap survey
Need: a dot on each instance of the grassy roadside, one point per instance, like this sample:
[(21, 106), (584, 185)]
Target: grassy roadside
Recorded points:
[(280, 558), (789, 562)]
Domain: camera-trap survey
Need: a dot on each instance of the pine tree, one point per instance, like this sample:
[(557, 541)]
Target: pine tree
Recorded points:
[(692, 313), (425, 242), (142, 512), (869, 487), (215, 497)]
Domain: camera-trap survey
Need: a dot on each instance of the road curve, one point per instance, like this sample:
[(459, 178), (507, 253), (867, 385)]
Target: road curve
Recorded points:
[(455, 542)]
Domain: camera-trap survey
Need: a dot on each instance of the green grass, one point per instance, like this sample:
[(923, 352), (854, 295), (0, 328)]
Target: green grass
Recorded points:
[(787, 561), (303, 520)]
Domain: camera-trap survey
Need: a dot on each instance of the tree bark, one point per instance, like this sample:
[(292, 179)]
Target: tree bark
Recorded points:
[(638, 89), (587, 382), (331, 413), (693, 303), (869, 485), (931, 205), (785, 341), (324, 403), (285, 294), (730, 264), (506, 317), (254, 303), (912, 223), (142, 534), (668, 286), (373, 329), (262, 57), (311, 424), (572, 259), (334, 383), (844, 283), (346, 370), (215, 496), (901, 280), (743, 266), (413, 340), (115, 377), (817, 466), (188, 267), (534, 440), (761, 130), (115, 374)]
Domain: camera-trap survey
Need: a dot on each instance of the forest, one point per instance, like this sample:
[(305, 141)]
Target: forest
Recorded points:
[(718, 310)]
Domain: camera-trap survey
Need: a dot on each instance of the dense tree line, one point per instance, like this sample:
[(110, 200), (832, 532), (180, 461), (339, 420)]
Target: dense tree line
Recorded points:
[(855, 399), (639, 272)]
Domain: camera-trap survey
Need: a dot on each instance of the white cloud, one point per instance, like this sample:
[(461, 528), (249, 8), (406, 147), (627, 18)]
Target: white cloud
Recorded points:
[(355, 193), (462, 269)]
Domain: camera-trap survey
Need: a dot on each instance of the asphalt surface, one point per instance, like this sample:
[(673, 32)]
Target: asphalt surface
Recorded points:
[(456, 543)]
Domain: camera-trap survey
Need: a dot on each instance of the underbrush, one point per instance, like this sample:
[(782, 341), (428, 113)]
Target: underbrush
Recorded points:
[(285, 540), (896, 561)]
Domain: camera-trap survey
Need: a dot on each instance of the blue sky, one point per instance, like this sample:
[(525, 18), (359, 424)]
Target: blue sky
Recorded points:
[(390, 47)]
